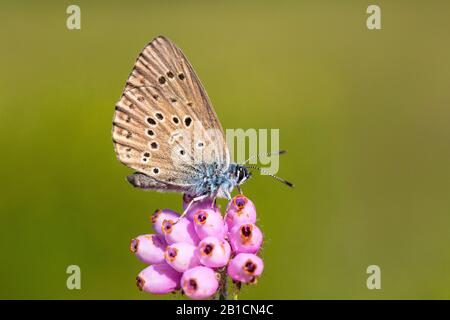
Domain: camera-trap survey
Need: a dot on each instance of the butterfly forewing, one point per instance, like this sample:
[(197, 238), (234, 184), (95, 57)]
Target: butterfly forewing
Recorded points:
[(164, 125)]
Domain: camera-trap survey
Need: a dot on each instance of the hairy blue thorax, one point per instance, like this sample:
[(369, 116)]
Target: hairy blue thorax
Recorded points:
[(214, 181)]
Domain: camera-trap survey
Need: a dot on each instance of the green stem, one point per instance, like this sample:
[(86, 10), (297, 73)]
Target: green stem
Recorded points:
[(223, 285)]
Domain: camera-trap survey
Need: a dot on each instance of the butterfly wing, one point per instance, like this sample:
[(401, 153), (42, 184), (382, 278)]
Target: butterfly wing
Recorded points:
[(164, 125)]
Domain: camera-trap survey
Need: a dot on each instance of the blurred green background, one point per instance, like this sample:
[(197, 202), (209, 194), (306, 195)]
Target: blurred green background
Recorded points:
[(364, 115)]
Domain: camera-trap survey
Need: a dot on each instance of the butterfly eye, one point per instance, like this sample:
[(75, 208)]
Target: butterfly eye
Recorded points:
[(241, 174)]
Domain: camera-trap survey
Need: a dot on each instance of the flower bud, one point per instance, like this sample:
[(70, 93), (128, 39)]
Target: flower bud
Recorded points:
[(204, 204), (240, 210), (149, 248), (179, 231), (209, 222), (214, 252), (187, 198), (246, 238), (159, 216), (245, 267), (181, 256), (199, 282), (158, 279)]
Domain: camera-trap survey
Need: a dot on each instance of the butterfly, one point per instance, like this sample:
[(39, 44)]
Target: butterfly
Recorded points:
[(166, 129)]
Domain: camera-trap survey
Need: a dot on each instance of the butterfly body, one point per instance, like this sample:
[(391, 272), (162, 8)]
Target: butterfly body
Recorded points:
[(215, 182), (208, 181)]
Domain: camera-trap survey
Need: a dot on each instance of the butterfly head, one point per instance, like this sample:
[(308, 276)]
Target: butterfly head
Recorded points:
[(240, 174)]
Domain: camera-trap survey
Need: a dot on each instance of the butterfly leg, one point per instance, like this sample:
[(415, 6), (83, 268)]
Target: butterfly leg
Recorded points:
[(199, 198), (227, 194), (213, 202), (239, 189)]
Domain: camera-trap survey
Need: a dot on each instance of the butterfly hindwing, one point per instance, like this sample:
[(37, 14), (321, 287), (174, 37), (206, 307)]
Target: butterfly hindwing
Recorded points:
[(164, 124)]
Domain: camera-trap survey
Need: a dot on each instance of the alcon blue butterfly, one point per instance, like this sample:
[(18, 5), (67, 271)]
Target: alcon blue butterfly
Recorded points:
[(166, 129)]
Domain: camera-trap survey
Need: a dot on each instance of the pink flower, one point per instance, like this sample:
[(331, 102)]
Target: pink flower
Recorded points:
[(181, 231), (159, 216), (192, 253), (158, 279), (209, 222), (204, 204), (181, 256), (245, 267), (240, 210), (246, 238), (148, 248), (214, 252), (199, 282)]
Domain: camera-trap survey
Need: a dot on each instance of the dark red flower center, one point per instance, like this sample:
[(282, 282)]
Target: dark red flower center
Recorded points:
[(240, 202), (208, 249), (167, 226), (172, 253), (155, 215), (191, 285), (200, 217), (250, 267), (246, 231), (140, 283), (134, 245)]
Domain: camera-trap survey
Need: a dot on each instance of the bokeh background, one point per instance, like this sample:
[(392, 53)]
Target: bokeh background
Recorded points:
[(364, 115)]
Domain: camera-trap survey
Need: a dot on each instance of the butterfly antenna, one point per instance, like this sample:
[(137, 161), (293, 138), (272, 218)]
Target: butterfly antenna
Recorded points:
[(267, 154), (266, 172)]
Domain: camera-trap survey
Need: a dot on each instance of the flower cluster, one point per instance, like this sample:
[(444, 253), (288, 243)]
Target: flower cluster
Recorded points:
[(195, 252)]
